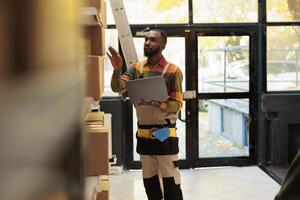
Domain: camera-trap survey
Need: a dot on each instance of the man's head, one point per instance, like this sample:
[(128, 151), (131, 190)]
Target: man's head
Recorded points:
[(155, 42)]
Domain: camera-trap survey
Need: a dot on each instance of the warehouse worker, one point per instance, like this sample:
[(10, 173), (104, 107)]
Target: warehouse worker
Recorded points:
[(157, 156)]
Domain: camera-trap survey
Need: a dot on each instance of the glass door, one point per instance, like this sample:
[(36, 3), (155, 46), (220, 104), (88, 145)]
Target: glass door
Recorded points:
[(224, 98), (223, 68)]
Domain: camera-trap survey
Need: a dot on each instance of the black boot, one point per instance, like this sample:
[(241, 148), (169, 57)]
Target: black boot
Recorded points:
[(152, 187), (171, 190)]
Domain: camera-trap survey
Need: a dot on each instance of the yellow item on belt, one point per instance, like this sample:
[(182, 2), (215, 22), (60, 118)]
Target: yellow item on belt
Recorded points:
[(147, 133)]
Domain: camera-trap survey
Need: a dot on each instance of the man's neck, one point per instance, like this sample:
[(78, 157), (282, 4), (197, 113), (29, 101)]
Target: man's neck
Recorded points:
[(154, 59)]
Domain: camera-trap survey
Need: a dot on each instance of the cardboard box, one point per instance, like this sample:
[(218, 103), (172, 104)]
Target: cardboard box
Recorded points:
[(94, 77), (103, 18), (94, 40), (104, 195), (104, 188), (104, 182), (100, 6), (97, 162), (102, 76), (90, 16), (95, 3), (94, 117)]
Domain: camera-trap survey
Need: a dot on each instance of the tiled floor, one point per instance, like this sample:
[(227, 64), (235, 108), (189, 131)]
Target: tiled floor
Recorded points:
[(224, 183)]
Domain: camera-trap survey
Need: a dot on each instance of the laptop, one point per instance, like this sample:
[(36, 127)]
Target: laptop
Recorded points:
[(148, 89)]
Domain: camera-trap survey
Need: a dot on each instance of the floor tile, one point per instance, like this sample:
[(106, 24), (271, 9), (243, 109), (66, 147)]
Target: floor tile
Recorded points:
[(221, 183)]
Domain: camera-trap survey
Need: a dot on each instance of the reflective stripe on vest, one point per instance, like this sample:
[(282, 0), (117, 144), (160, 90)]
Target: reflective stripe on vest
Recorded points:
[(147, 133)]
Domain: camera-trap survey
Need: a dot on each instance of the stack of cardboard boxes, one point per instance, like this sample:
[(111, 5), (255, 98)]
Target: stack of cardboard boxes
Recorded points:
[(94, 21), (96, 134), (97, 161)]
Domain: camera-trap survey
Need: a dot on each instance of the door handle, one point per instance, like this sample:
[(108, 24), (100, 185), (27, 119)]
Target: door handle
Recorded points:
[(189, 94), (180, 116)]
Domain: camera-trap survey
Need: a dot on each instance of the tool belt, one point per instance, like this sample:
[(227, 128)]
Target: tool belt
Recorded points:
[(147, 145), (145, 131)]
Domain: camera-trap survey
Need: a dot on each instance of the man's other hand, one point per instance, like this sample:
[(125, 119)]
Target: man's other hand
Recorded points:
[(115, 59)]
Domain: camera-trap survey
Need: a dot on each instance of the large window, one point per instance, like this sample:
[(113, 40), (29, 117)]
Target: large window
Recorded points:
[(154, 11), (283, 55), (220, 11)]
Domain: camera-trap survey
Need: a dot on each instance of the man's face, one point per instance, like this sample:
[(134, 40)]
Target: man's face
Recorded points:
[(153, 44)]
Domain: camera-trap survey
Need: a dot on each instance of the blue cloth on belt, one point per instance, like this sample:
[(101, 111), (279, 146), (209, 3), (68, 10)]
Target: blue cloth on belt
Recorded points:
[(161, 134)]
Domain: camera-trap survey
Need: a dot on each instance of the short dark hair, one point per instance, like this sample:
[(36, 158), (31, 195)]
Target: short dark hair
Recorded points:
[(163, 35)]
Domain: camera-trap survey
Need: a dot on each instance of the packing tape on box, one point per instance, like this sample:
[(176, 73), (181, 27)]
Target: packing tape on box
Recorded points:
[(94, 116), (104, 182), (97, 129)]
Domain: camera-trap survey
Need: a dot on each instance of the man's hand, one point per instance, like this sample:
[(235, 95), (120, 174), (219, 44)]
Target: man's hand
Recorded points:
[(115, 59)]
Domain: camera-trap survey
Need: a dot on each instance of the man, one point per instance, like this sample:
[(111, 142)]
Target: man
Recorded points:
[(157, 157)]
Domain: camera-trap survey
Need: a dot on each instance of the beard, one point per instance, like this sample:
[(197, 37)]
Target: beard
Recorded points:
[(152, 52)]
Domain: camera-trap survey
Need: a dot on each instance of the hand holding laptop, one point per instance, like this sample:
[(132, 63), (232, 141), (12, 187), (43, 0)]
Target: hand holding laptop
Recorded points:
[(151, 103), (149, 89)]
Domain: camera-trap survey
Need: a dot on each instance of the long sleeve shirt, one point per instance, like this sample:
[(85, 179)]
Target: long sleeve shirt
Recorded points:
[(173, 78)]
